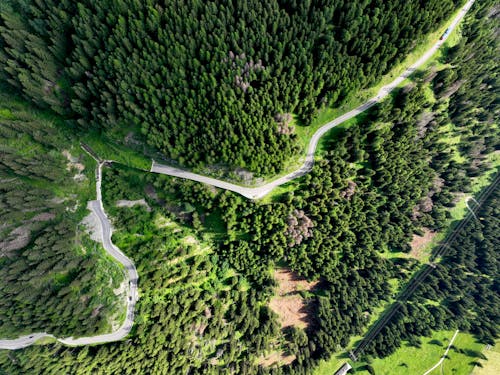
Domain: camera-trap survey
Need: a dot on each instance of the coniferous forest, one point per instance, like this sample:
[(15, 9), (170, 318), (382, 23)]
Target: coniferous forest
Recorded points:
[(206, 256), (54, 277), (206, 81)]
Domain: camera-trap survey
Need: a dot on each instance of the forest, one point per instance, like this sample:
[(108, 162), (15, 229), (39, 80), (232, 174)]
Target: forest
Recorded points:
[(462, 292), (207, 82), (205, 256), (47, 260)]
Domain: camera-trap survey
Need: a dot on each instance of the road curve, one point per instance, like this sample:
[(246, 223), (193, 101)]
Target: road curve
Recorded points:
[(261, 191), (132, 296), (251, 193)]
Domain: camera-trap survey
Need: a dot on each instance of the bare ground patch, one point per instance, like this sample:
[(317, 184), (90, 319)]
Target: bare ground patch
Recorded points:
[(288, 303), (17, 239), (290, 282), (275, 358), (92, 226), (138, 202), (419, 243), (292, 311), (74, 164)]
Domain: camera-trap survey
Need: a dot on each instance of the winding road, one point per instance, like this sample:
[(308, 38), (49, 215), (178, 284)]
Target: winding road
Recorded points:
[(251, 193), (132, 296), (262, 191)]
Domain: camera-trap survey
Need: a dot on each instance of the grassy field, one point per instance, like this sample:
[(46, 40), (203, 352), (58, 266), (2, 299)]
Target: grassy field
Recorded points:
[(412, 360), (491, 365), (106, 148)]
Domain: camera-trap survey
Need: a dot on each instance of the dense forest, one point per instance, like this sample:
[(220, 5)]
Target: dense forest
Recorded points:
[(205, 256), (206, 81), (54, 277), (462, 292)]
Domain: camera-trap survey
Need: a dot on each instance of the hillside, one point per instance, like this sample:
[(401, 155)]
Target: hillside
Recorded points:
[(55, 278), (207, 82), (228, 285)]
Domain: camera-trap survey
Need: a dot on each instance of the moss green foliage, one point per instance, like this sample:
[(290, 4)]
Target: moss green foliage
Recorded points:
[(54, 277), (205, 80)]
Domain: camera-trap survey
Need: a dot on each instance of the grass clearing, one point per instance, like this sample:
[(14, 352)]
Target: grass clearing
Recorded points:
[(412, 360), (331, 366), (490, 365), (108, 149)]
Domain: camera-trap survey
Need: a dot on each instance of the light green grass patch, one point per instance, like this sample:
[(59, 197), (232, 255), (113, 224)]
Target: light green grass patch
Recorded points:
[(412, 360), (108, 149), (331, 366), (490, 365)]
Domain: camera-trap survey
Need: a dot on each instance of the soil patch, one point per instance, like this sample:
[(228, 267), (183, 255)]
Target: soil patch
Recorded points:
[(290, 282), (292, 311), (419, 243), (74, 164), (275, 357), (288, 303)]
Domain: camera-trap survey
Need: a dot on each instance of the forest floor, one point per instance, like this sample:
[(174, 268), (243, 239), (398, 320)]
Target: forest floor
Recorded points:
[(275, 357)]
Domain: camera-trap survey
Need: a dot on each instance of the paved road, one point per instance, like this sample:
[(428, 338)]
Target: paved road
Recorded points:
[(132, 295), (261, 191), (251, 193)]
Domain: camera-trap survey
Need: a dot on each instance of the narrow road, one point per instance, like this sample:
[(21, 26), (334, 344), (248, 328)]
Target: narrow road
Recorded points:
[(132, 296), (261, 191), (251, 193), (444, 355)]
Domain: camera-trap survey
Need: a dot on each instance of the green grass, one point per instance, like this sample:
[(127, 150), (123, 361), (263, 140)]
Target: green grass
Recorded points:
[(45, 341), (108, 149), (329, 367), (412, 360)]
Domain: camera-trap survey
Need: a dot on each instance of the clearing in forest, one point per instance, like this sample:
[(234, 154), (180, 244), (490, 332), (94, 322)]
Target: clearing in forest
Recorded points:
[(288, 303), (275, 357), (420, 243)]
